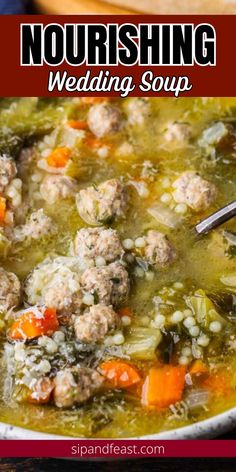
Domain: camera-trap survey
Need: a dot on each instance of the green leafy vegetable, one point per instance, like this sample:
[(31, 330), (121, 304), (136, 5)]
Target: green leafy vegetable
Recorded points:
[(141, 343), (204, 309)]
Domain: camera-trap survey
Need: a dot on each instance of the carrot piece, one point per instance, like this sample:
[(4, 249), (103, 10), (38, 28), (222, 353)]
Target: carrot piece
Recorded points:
[(33, 324), (59, 157), (163, 386), (218, 383), (92, 142), (3, 207), (77, 124), (198, 368), (95, 143), (119, 374), (42, 391), (93, 100), (126, 311)]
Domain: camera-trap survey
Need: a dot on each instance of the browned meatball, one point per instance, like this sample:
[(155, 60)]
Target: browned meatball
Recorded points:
[(109, 285), (104, 119), (37, 225), (193, 190), (57, 187), (95, 324), (100, 205), (10, 290), (158, 249), (7, 172), (177, 132), (75, 385), (55, 283), (138, 110), (98, 242)]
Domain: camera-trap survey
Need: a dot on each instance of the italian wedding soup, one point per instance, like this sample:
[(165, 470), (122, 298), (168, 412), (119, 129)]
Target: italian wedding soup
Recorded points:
[(116, 319)]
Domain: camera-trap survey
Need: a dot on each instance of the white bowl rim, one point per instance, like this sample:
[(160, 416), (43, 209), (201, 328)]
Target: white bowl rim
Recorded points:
[(205, 429)]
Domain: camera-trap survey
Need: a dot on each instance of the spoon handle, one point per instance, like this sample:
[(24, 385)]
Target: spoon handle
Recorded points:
[(217, 218)]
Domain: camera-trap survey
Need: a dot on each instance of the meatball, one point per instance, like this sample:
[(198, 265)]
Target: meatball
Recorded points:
[(104, 119), (95, 324), (75, 385), (138, 110), (8, 171), (177, 132), (41, 391), (91, 243), (109, 285), (55, 283), (37, 226), (57, 187), (10, 290), (193, 190), (101, 205), (158, 249)]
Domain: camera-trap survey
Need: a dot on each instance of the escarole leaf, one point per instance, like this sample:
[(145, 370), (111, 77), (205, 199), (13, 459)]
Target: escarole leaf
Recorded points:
[(23, 120), (204, 309), (141, 343)]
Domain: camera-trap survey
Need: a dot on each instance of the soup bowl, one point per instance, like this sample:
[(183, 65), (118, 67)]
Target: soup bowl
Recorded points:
[(206, 429)]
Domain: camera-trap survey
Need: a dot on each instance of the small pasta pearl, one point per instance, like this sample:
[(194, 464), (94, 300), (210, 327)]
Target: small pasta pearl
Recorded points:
[(140, 242), (203, 340), (189, 322), (159, 321), (165, 198), (181, 208), (128, 243), (178, 285), (215, 327), (118, 339), (186, 351), (126, 321), (88, 299), (177, 317), (194, 331), (44, 366), (59, 337), (183, 360)]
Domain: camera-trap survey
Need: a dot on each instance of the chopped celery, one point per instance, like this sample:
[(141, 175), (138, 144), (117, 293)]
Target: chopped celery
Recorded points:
[(204, 309), (163, 215), (141, 343)]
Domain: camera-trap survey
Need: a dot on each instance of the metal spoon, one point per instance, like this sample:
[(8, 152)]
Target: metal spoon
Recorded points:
[(217, 218)]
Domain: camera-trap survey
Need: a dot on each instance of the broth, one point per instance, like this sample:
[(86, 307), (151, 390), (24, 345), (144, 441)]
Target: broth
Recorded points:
[(143, 156)]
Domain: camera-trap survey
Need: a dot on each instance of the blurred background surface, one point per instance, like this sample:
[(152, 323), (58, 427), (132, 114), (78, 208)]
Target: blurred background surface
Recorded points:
[(118, 6)]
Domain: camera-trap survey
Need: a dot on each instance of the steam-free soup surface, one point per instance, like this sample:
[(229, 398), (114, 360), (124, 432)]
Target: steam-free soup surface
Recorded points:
[(150, 344)]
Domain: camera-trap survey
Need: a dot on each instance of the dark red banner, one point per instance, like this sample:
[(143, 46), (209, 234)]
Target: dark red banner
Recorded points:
[(118, 449), (208, 80)]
